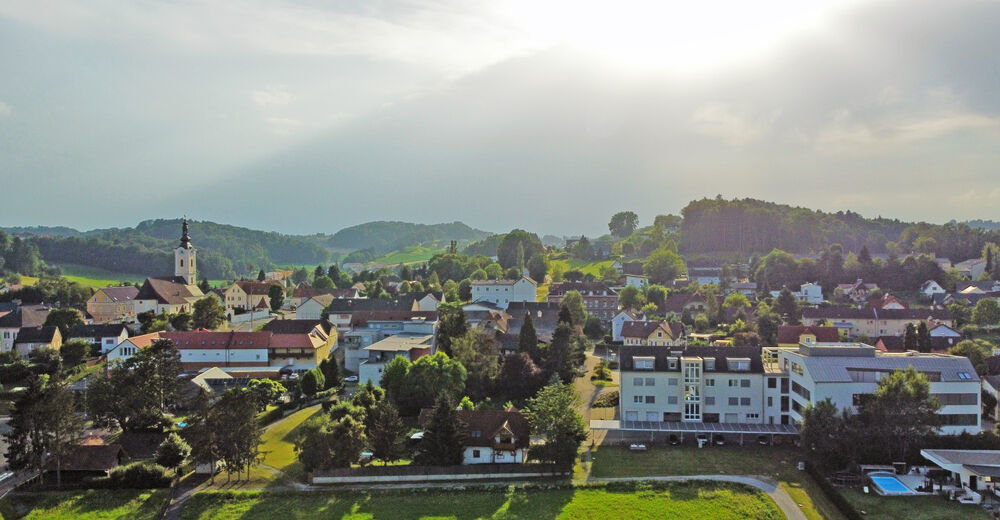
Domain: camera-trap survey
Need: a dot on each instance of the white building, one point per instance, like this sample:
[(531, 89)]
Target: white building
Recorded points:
[(929, 288), (637, 280), (503, 292), (130, 347), (619, 321), (408, 345), (845, 372), (104, 337), (808, 292), (312, 308), (375, 326), (492, 436)]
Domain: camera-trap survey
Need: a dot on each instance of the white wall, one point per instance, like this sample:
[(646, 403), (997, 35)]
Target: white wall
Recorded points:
[(222, 356)]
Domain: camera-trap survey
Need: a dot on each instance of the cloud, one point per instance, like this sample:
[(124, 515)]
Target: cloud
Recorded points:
[(731, 126), (5, 109), (846, 134), (271, 96)]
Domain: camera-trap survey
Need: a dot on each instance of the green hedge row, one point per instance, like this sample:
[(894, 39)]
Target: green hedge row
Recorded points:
[(831, 492)]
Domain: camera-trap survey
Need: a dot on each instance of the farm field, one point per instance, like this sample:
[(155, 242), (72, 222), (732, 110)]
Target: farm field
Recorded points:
[(689, 501), (94, 277), (409, 255)]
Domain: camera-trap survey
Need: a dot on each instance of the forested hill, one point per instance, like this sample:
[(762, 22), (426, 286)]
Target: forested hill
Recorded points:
[(385, 236), (223, 251), (749, 226), (988, 225)]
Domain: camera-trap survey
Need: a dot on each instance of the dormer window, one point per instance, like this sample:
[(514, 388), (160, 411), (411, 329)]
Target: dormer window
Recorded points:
[(475, 434), (643, 363), (739, 364), (710, 364)]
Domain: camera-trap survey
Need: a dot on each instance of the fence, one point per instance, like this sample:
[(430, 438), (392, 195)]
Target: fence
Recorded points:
[(411, 474)]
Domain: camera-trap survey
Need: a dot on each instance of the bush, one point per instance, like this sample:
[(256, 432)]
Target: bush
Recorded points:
[(270, 416), (607, 400), (838, 500), (138, 475)]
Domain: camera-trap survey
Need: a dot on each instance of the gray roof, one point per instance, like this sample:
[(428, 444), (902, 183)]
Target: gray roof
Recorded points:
[(967, 457), (833, 369)]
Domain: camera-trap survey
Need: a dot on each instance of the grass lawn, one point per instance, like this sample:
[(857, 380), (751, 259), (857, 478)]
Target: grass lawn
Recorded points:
[(640, 501), (278, 452), (912, 508), (86, 505), (773, 462), (584, 266)]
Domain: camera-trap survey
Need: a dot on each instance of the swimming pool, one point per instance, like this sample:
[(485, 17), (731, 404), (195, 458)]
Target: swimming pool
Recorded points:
[(887, 484)]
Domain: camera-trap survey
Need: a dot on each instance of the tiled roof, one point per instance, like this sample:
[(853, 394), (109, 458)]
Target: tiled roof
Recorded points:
[(36, 334), (26, 316), (791, 333), (97, 331), (641, 329), (488, 423), (123, 293), (255, 287), (169, 291), (662, 356), (584, 288), (209, 339), (102, 457), (503, 282), (296, 326), (349, 305), (871, 314)]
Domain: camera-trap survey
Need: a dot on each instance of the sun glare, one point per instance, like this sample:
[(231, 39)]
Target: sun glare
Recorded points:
[(675, 36)]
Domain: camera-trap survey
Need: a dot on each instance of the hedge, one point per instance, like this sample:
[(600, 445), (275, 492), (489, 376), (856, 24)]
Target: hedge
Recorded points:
[(831, 493), (138, 475)]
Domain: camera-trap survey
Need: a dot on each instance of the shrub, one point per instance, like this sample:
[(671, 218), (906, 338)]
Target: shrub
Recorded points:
[(831, 492), (138, 475), (607, 400)]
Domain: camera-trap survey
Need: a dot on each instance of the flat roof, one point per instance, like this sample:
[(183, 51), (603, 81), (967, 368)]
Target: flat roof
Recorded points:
[(401, 342), (694, 427)]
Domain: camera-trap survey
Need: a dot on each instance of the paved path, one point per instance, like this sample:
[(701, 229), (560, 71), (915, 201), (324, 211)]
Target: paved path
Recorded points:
[(173, 511), (781, 497)]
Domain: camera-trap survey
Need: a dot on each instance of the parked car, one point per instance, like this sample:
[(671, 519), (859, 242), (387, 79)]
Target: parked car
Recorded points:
[(351, 379)]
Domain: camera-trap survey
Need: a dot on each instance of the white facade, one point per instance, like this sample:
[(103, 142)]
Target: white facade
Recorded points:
[(843, 372), (930, 288), (503, 292), (311, 309), (484, 455), (223, 357), (618, 322), (637, 281)]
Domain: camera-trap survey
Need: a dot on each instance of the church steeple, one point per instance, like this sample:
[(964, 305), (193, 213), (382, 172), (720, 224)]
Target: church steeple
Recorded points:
[(185, 256), (185, 238)]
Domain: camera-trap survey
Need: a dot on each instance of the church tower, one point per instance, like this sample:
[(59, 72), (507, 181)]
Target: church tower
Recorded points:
[(184, 258)]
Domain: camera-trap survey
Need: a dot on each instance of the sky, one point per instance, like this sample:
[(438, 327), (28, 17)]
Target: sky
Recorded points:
[(310, 116)]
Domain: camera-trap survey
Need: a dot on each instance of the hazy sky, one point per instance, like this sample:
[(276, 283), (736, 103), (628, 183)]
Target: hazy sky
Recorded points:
[(310, 116)]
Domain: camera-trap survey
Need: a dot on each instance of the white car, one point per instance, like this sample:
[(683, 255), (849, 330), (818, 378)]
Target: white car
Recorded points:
[(351, 379)]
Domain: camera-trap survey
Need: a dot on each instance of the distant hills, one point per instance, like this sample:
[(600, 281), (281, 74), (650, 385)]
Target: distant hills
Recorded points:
[(383, 236)]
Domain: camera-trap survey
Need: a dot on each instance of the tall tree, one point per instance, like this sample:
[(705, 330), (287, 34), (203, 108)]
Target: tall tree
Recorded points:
[(74, 351), (234, 416), (559, 357), (332, 377), (312, 382), (136, 393), (319, 271), (538, 267), (204, 286), (520, 378), (44, 426), (663, 266), (527, 340), (923, 338), (444, 436), (208, 314), (276, 297), (788, 307), (386, 432), (261, 276), (479, 353), (64, 318), (630, 297), (986, 312), (451, 325), (552, 415), (910, 337), (623, 223), (901, 411), (573, 301), (172, 452)]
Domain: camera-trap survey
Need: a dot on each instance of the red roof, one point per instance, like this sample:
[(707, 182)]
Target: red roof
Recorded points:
[(790, 334), (208, 339)]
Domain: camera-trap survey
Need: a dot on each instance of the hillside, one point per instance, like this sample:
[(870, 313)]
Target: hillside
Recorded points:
[(383, 237), (749, 226)]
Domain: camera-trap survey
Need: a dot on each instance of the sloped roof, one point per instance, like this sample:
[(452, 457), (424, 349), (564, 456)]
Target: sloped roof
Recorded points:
[(36, 335), (632, 268), (210, 339), (361, 319), (97, 331), (26, 316), (169, 291), (642, 329), (255, 287), (791, 333), (296, 326), (488, 423), (123, 293), (871, 314), (721, 355), (586, 289), (350, 305), (141, 445), (101, 457)]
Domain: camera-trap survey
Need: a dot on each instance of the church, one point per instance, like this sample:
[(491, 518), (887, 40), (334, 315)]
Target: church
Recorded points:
[(176, 293)]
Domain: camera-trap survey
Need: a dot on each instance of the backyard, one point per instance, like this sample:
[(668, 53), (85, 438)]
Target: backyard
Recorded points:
[(778, 464), (912, 508), (662, 501)]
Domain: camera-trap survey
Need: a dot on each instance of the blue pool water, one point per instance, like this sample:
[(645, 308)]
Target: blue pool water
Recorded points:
[(889, 484)]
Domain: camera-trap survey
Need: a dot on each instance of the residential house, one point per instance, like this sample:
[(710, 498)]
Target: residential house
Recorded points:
[(858, 292), (873, 322), (971, 269), (637, 280), (929, 288), (87, 461), (544, 316), (341, 309), (411, 346), (942, 330), (974, 470), (793, 335), (258, 350), (699, 385), (103, 337), (244, 295), (888, 301), (24, 316), (502, 292), (746, 288), (895, 344), (113, 304), (978, 287), (619, 321), (301, 294), (486, 316), (130, 347), (369, 327), (492, 437), (312, 308), (599, 299), (844, 372), (652, 333), (705, 275), (34, 338)]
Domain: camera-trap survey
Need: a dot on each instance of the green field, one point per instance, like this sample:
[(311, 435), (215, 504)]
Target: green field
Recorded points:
[(409, 255), (95, 277), (773, 462), (85, 505), (912, 508), (583, 266), (702, 500)]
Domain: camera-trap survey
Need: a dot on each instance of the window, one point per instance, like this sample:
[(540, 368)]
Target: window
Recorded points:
[(650, 399), (672, 399), (770, 401), (475, 454), (710, 364), (643, 363), (650, 381), (709, 382), (744, 401), (673, 364), (800, 390), (964, 375), (637, 399), (476, 433), (733, 383), (739, 364), (709, 401), (772, 382), (734, 401), (744, 383), (672, 381), (753, 416), (636, 381)]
